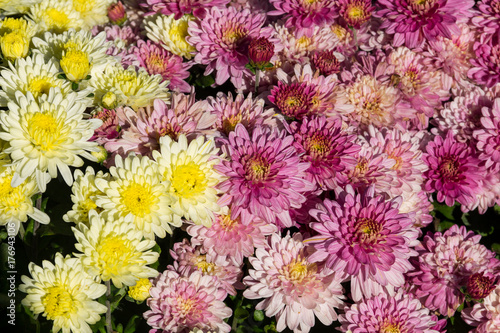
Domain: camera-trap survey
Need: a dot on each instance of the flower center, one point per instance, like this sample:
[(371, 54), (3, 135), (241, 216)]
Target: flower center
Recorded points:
[(299, 271), (44, 131), (303, 42), (318, 146), (229, 123), (390, 328), (76, 65), (233, 34), (227, 224), (39, 85), (14, 45), (138, 199), (155, 64), (188, 308), (179, 31), (55, 19), (10, 197), (257, 169), (83, 6), (368, 230), (203, 265), (115, 254), (58, 302), (450, 168), (188, 180)]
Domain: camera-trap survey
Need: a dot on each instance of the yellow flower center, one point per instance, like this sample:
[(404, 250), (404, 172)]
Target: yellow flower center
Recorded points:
[(11, 198), (303, 42), (355, 12), (233, 35), (83, 6), (339, 31), (397, 158), (203, 265), (390, 328), (178, 31), (227, 224), (39, 85), (56, 19), (368, 230), (14, 45), (44, 131), (188, 180), (59, 302), (76, 65), (299, 271), (258, 169), (116, 253), (186, 306), (229, 123), (138, 199), (13, 24)]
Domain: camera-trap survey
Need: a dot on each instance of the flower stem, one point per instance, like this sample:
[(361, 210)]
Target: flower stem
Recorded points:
[(109, 328), (257, 79)]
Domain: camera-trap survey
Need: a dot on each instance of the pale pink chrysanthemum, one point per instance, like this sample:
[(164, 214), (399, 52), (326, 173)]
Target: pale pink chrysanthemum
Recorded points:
[(488, 20), (414, 22), (355, 13), (181, 7), (189, 258), (182, 303), (488, 137), (234, 239), (486, 64), (418, 206), (484, 316), (365, 237), (264, 174), (157, 60), (488, 194), (295, 290), (370, 37), (305, 14), (221, 39), (386, 313), (454, 172), (247, 111), (109, 130), (326, 146), (444, 264)]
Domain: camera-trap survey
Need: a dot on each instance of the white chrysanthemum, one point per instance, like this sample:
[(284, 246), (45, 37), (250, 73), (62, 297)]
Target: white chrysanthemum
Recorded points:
[(137, 194), (189, 169), (84, 195), (114, 250), (32, 74), (171, 33), (134, 89), (47, 136), (93, 12), (56, 16), (18, 6), (94, 47), (64, 293), (15, 202)]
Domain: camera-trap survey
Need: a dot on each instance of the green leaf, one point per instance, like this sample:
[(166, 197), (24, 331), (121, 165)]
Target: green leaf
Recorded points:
[(241, 314), (447, 211), (258, 315), (445, 225), (130, 328), (74, 86), (496, 247), (205, 81), (61, 76)]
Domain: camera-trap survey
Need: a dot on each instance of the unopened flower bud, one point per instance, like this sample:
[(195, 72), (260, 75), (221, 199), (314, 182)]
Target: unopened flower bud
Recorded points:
[(117, 14), (140, 291), (76, 65), (100, 155), (109, 100), (260, 52)]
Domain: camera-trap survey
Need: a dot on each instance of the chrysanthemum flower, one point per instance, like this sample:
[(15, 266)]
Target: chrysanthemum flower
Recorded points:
[(486, 64), (92, 12), (355, 12), (114, 250), (234, 239), (295, 289), (305, 14), (366, 237), (65, 293), (231, 111), (221, 39), (16, 202), (137, 194), (179, 304), (109, 130), (83, 195), (326, 62), (265, 175), (171, 34), (140, 291), (480, 285), (488, 136), (326, 146), (488, 19), (295, 100), (181, 7), (157, 60), (418, 206), (47, 136), (454, 171), (414, 22), (444, 264), (385, 313), (484, 316), (18, 7), (56, 16), (190, 170)]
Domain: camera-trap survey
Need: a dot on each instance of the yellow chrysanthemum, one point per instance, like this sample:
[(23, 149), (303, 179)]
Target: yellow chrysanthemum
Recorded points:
[(134, 89), (93, 12), (137, 194), (171, 33), (140, 291), (75, 64), (189, 170), (56, 16), (33, 75), (15, 202), (84, 195), (14, 45), (65, 293), (115, 250), (47, 136)]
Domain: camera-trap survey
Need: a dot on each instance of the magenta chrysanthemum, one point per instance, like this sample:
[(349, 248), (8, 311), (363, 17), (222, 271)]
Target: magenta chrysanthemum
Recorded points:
[(488, 19), (294, 100), (453, 170), (387, 314), (295, 290), (181, 7), (484, 316), (326, 62), (444, 264), (366, 237), (265, 174), (355, 12), (480, 285), (221, 39), (413, 21), (180, 304), (488, 137), (486, 65), (326, 146)]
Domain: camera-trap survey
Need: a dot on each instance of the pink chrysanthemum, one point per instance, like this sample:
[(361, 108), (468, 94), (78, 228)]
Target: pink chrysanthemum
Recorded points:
[(488, 19), (181, 7), (484, 316), (419, 207), (366, 237), (264, 175), (304, 14), (444, 264), (157, 60), (295, 290), (189, 258), (454, 171), (180, 304), (355, 12), (109, 130), (234, 239), (326, 146), (231, 111), (413, 22), (486, 64), (385, 313), (488, 137), (122, 38), (326, 62), (294, 100), (221, 39)]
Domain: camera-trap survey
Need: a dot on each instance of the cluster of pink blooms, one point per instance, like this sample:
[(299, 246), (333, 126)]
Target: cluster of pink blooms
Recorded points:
[(331, 160)]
